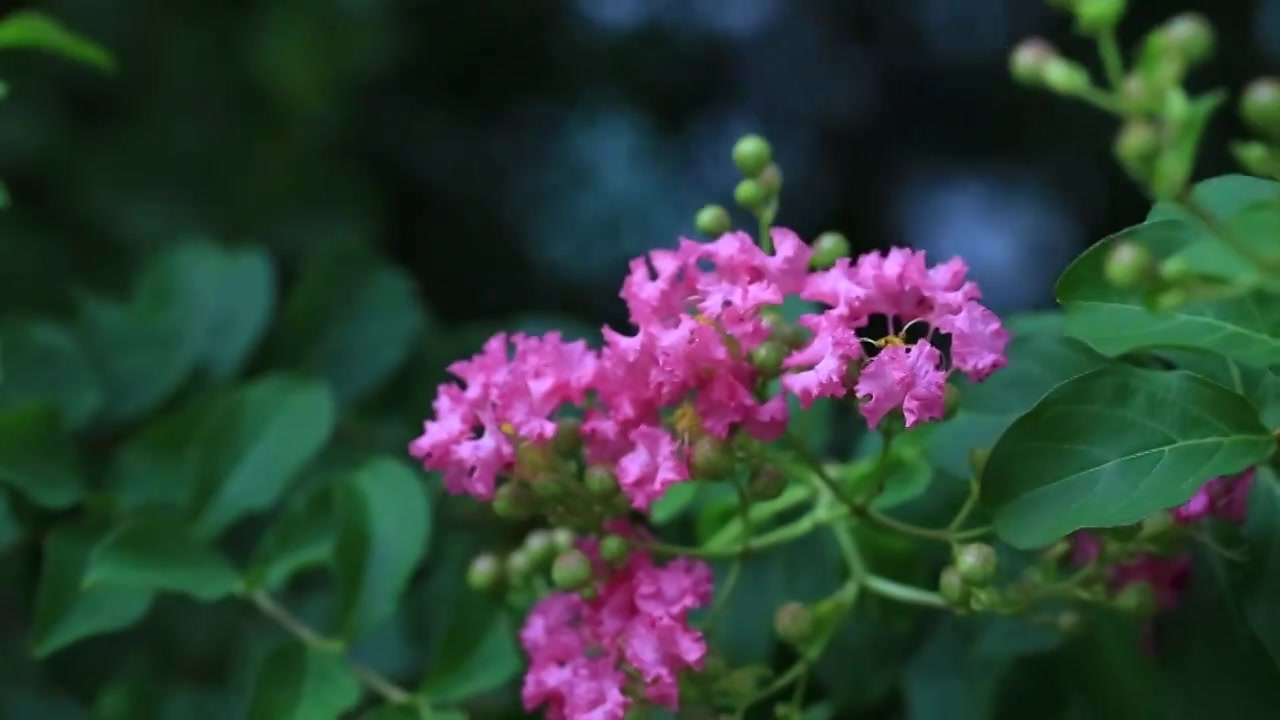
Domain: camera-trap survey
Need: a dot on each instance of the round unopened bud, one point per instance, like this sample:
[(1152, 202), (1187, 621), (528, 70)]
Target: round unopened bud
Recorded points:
[(1096, 16), (750, 194), (978, 461), (1137, 598), (588, 593), (539, 547), (1136, 145), (1065, 77), (1137, 94), (484, 572), (548, 486), (1190, 35), (1029, 59), (1129, 265), (952, 587), (1176, 269), (768, 357), (1256, 157), (568, 440), (600, 481), (1260, 106), (518, 567), (562, 539), (711, 458), (828, 247), (1156, 526), (976, 563), (794, 623), (713, 221), (792, 336), (1069, 622), (771, 179), (766, 483), (752, 154), (614, 549), (951, 402), (1170, 300), (512, 501), (571, 570)]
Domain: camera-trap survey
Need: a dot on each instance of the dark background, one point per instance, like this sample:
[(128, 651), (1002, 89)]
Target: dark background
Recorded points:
[(513, 154)]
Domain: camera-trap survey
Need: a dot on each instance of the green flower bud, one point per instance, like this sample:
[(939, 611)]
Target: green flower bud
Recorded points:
[(1137, 598), (951, 402), (771, 179), (600, 481), (484, 573), (1260, 106), (562, 539), (1190, 36), (588, 593), (1156, 526), (751, 195), (518, 567), (571, 570), (1066, 77), (1029, 59), (1137, 94), (538, 546), (1170, 300), (1129, 265), (828, 247), (952, 587), (1097, 16), (752, 154), (1069, 622), (1136, 146), (976, 564), (513, 501), (794, 624), (792, 336), (1176, 269), (711, 459), (568, 440), (978, 461), (766, 483), (713, 221), (1256, 157), (981, 600), (768, 357), (614, 549)]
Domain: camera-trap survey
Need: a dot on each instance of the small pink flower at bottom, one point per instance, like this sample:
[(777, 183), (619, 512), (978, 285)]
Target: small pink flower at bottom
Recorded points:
[(906, 377), (582, 652)]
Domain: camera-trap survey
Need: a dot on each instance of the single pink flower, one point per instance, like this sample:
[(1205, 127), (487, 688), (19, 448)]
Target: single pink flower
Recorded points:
[(1225, 497), (906, 377)]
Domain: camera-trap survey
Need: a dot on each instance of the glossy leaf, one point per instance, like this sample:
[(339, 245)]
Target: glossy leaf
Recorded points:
[(38, 458), (479, 654), (1114, 322), (160, 464), (44, 362), (1079, 459), (1257, 580), (10, 529), (1260, 386), (32, 30), (1247, 208), (161, 555), (385, 526), (295, 683), (674, 502), (257, 443), (302, 537), (66, 611)]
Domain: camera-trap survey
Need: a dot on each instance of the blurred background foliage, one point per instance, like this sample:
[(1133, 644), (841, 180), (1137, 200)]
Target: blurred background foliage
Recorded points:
[(360, 191)]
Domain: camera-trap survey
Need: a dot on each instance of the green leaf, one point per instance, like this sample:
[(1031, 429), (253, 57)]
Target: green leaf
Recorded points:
[(160, 465), (385, 526), (1260, 386), (27, 29), (1113, 446), (67, 612), (1040, 358), (1245, 327), (410, 712), (478, 655), (1245, 207), (351, 320), (1257, 581), (161, 555), (295, 683), (257, 443), (10, 528), (42, 361), (38, 457), (302, 537), (674, 502), (946, 681)]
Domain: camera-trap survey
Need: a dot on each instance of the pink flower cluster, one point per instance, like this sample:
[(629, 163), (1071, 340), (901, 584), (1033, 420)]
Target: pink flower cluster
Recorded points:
[(898, 285), (699, 312), (588, 658), (1221, 497)]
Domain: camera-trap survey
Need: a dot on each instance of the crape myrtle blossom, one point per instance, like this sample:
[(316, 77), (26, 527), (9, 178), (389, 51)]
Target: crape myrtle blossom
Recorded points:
[(697, 312), (590, 658), (899, 285), (507, 398)]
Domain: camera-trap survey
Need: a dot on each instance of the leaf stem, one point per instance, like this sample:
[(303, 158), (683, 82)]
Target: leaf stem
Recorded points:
[(366, 676)]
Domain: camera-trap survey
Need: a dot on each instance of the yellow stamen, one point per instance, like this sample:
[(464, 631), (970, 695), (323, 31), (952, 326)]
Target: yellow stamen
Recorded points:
[(507, 429), (891, 341), (687, 424)]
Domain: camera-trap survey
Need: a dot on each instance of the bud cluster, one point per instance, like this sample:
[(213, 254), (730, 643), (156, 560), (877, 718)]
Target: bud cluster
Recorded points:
[(1260, 110)]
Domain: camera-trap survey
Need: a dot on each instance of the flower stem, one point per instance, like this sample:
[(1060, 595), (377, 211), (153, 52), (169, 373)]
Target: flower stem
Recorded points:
[(366, 676), (909, 594), (1112, 62)]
